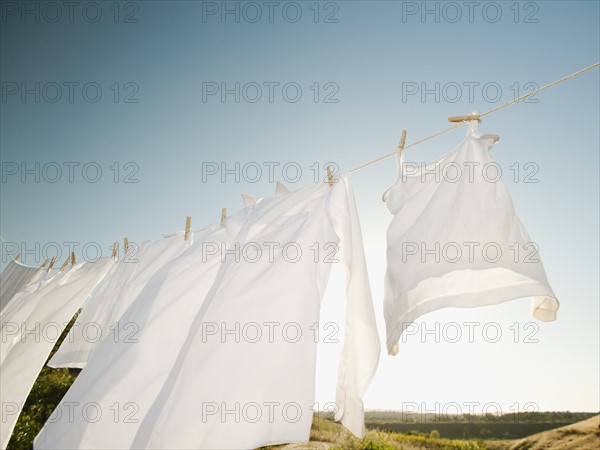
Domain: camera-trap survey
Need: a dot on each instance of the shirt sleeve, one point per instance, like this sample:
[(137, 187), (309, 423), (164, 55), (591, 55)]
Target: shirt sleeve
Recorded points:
[(360, 353)]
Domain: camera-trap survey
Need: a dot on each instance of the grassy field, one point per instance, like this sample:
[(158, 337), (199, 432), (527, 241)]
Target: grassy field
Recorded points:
[(340, 439)]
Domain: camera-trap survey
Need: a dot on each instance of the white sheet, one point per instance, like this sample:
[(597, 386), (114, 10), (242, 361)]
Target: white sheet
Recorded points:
[(102, 311)]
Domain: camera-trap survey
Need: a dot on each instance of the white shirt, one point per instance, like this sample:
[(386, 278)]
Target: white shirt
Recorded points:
[(162, 377), (267, 383), (455, 240)]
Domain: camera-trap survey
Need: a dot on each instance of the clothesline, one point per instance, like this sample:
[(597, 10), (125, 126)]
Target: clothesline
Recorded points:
[(169, 290), (493, 110)]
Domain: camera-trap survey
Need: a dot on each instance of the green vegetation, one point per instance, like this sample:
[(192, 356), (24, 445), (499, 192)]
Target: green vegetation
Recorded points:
[(526, 417), (466, 426), (49, 388), (324, 430)]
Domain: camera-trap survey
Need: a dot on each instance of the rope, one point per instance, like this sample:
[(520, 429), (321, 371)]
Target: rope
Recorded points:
[(497, 108)]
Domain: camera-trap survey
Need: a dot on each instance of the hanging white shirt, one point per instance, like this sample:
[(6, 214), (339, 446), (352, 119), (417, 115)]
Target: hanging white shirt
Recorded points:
[(14, 277), (39, 333), (256, 386), (128, 369), (455, 240), (105, 307)]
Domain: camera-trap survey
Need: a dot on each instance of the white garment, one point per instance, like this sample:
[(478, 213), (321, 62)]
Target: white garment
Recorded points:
[(455, 240), (39, 332), (107, 304), (172, 307), (129, 372), (270, 381), (13, 317), (13, 278)]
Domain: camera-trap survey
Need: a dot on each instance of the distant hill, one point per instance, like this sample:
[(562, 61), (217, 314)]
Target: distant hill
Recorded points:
[(584, 435), (464, 426)]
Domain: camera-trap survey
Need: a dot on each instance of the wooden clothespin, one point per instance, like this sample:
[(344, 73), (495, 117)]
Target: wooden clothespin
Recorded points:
[(72, 258), (399, 150), (223, 215), (115, 251), (65, 263), (44, 264), (125, 244), (329, 176), (188, 226), (17, 257), (400, 147), (472, 116), (52, 261)]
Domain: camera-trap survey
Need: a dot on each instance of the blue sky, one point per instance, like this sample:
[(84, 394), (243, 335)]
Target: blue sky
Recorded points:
[(143, 109)]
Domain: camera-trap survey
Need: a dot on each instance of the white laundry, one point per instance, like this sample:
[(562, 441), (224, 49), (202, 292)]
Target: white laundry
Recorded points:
[(253, 388), (455, 240), (38, 333), (129, 371), (14, 277), (13, 317), (101, 313)]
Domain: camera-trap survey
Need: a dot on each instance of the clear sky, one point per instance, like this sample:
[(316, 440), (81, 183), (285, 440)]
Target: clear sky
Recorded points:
[(134, 90)]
